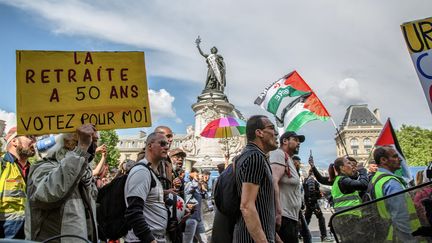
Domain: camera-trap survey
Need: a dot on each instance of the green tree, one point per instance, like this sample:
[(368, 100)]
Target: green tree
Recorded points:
[(416, 144), (110, 139)]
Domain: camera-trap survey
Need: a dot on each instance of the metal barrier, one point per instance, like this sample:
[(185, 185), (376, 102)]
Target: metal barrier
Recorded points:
[(369, 223)]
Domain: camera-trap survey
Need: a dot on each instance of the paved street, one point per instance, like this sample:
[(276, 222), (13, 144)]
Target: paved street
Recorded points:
[(314, 228)]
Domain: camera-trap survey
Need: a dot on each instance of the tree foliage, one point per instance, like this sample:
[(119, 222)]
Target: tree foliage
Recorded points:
[(110, 139), (416, 144)]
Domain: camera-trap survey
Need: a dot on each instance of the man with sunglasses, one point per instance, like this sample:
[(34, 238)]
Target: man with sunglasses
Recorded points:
[(286, 182), (254, 184), (165, 167), (399, 211), (14, 170), (146, 212)]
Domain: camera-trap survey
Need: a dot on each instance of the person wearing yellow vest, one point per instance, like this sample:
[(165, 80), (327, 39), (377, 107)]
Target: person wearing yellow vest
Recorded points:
[(13, 177), (345, 189), (345, 193), (399, 211)]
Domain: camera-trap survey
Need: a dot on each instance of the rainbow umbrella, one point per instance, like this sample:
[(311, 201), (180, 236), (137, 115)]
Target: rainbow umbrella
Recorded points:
[(224, 127)]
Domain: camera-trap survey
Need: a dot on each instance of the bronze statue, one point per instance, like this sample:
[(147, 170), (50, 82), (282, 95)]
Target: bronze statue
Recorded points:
[(216, 68)]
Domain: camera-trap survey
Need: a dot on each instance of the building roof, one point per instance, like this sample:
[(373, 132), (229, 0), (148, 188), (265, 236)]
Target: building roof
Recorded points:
[(360, 115)]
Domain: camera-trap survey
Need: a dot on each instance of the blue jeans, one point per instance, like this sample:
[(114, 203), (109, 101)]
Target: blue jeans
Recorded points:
[(12, 229), (194, 228)]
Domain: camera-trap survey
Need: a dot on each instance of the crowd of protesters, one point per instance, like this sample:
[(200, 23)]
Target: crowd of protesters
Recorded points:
[(57, 194)]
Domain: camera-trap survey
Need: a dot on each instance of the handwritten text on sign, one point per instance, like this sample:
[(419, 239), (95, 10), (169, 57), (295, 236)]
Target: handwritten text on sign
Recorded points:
[(418, 37), (59, 91)]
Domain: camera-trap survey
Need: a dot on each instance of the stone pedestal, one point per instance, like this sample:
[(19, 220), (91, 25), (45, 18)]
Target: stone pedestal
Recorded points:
[(208, 152)]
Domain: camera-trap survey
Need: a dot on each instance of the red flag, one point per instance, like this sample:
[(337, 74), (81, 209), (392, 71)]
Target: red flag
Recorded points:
[(388, 137)]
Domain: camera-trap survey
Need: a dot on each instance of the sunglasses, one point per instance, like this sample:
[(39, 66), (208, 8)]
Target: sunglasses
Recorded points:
[(163, 143)]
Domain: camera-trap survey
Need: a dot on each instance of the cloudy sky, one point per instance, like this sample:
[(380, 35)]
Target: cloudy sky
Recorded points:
[(350, 52)]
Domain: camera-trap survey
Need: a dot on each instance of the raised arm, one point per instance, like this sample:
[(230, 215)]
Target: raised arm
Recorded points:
[(198, 41), (321, 179), (101, 149), (51, 182), (348, 185)]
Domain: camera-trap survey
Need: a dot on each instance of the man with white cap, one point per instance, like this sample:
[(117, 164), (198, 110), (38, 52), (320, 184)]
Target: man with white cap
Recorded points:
[(14, 170)]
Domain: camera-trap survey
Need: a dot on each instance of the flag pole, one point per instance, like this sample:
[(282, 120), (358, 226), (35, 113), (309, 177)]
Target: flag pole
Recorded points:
[(338, 133), (226, 140)]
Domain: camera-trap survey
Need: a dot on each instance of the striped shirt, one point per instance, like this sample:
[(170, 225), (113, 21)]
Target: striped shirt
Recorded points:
[(255, 168)]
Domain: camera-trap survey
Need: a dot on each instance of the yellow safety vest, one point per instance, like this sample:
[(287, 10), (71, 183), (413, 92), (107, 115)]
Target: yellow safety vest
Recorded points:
[(343, 201), (382, 209), (12, 190)]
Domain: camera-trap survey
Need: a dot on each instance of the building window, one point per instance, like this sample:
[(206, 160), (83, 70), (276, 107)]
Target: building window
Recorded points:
[(367, 143), (374, 121), (354, 151), (363, 121), (354, 143), (353, 121), (127, 156)]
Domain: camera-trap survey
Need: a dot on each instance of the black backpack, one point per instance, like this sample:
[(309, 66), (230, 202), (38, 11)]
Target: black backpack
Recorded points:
[(226, 195), (111, 207)]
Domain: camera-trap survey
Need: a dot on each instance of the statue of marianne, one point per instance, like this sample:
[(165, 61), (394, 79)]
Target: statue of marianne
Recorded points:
[(216, 68)]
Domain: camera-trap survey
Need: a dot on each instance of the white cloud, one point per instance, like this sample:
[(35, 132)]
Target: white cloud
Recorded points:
[(9, 118), (346, 92), (358, 43), (161, 104)]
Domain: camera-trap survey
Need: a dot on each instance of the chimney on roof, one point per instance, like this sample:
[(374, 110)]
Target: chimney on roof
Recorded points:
[(377, 114)]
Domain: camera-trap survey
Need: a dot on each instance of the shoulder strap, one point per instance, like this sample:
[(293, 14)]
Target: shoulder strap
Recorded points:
[(371, 186), (287, 167), (153, 182)]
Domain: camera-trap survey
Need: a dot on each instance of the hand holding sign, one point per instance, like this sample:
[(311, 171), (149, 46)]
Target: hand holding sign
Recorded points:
[(86, 135)]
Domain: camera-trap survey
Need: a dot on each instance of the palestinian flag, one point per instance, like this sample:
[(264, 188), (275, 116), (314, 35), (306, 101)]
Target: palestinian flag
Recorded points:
[(302, 110), (292, 102), (281, 93), (388, 137)]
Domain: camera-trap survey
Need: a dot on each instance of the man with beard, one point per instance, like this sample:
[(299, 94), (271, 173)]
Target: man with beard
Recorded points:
[(14, 170), (177, 157), (61, 193), (287, 188)]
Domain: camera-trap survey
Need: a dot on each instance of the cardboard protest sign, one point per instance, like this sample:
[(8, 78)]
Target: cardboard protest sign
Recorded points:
[(58, 91), (418, 36)]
